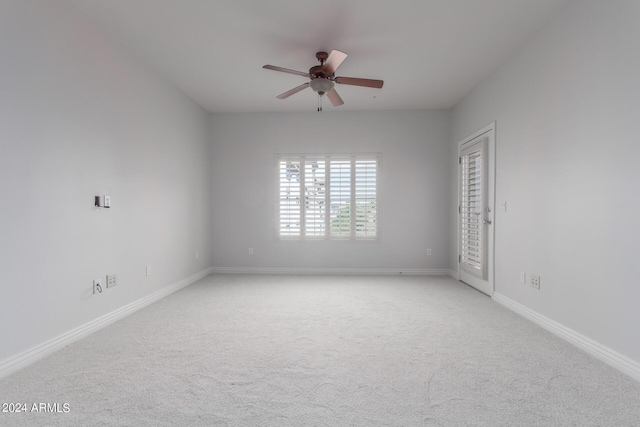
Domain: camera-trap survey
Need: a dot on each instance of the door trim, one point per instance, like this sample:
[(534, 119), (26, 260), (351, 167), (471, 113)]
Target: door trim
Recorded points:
[(488, 131)]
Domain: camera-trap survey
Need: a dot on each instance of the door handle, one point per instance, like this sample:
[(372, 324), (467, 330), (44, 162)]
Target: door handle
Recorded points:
[(487, 221)]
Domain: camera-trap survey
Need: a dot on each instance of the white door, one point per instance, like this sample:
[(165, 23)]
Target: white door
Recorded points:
[(476, 203)]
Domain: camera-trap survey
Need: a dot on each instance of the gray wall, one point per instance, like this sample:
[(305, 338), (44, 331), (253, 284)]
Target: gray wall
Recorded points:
[(413, 188), (79, 117), (567, 113)]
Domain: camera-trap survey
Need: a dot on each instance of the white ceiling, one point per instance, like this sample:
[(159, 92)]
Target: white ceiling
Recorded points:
[(430, 53)]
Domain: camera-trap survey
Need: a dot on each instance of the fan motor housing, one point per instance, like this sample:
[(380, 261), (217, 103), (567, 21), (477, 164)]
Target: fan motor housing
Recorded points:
[(318, 73)]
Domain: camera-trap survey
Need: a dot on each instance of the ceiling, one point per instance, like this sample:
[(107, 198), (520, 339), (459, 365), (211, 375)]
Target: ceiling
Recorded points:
[(430, 53)]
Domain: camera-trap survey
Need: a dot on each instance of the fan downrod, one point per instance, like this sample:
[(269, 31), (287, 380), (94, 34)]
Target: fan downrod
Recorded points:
[(322, 56), (317, 71)]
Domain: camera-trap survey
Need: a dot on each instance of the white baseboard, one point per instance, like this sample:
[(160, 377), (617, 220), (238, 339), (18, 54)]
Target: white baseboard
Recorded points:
[(599, 351), (21, 360), (453, 274), (333, 271)]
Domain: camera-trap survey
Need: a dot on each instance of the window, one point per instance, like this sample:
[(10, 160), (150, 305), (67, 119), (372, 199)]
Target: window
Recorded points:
[(328, 197)]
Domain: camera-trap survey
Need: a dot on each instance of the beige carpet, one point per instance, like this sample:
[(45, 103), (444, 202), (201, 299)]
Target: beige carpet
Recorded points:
[(323, 351)]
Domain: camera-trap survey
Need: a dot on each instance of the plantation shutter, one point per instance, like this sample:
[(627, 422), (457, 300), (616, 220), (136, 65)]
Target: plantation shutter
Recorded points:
[(314, 198), (340, 198), (472, 208), (289, 198), (366, 184), (327, 197)]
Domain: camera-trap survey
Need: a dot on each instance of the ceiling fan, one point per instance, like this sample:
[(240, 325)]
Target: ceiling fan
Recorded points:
[(323, 78)]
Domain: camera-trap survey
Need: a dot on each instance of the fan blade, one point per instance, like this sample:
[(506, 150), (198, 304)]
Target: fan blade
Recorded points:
[(292, 91), (334, 97), (354, 81), (333, 62), (285, 70)]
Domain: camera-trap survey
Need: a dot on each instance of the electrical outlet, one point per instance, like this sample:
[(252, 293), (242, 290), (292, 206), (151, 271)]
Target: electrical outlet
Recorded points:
[(107, 202), (97, 286), (429, 252), (535, 281), (250, 251), (112, 280)]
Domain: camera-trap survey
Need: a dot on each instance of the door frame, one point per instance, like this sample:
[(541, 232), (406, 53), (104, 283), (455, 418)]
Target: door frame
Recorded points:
[(489, 132)]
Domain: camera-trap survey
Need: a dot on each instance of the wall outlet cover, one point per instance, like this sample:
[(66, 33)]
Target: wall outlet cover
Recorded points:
[(112, 280), (535, 281)]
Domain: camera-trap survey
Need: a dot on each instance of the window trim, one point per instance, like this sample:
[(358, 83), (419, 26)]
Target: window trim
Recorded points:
[(327, 158)]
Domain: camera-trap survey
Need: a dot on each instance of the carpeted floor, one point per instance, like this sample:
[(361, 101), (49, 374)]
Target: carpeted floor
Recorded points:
[(323, 351)]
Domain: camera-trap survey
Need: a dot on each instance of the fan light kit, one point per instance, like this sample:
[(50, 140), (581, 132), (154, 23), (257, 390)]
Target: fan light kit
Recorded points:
[(321, 85), (323, 78)]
